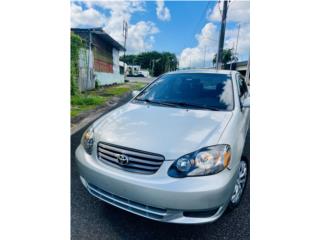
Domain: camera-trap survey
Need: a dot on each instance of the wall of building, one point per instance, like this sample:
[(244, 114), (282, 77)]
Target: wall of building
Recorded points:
[(103, 56), (106, 64), (115, 57), (103, 67), (109, 78), (145, 72), (133, 69), (113, 76)]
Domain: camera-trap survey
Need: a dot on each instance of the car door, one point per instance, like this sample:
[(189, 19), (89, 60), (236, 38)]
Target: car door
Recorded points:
[(243, 93)]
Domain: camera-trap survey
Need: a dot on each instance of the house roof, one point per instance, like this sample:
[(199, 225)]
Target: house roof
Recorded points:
[(102, 34), (242, 63)]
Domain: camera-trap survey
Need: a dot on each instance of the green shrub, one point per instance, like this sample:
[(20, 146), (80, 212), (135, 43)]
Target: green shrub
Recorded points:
[(96, 84), (75, 45), (74, 78)]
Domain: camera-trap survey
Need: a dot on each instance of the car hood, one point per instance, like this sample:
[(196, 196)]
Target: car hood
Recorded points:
[(171, 132)]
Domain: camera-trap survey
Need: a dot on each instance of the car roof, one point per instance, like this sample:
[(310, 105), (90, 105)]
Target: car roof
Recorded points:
[(204, 70)]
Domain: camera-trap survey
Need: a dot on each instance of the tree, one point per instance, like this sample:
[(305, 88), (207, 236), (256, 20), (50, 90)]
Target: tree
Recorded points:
[(164, 62), (227, 56), (130, 59), (76, 43), (157, 63)]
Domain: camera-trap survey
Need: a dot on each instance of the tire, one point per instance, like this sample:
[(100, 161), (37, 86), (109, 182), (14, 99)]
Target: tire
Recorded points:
[(240, 184)]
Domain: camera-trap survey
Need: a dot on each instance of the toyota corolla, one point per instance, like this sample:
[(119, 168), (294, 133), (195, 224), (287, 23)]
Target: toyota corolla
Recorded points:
[(174, 152)]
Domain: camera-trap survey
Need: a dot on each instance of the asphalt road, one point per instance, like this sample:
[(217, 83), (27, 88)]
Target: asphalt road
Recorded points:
[(140, 79), (94, 219)]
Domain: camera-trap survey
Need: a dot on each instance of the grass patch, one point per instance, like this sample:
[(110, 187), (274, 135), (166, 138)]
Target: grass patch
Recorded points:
[(92, 99), (138, 86), (117, 90), (87, 100), (76, 110), (82, 103)]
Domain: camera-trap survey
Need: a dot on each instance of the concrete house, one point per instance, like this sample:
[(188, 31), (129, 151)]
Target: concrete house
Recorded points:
[(99, 62)]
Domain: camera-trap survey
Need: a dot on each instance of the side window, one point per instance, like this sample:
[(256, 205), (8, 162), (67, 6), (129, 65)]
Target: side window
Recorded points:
[(243, 89)]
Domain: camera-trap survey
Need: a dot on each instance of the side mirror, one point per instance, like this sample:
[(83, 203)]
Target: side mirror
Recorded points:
[(135, 93), (246, 103)]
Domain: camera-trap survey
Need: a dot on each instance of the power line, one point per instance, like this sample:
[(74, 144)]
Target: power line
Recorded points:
[(235, 54), (220, 11), (197, 25)]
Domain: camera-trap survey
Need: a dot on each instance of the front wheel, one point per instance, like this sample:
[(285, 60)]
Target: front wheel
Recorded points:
[(240, 185)]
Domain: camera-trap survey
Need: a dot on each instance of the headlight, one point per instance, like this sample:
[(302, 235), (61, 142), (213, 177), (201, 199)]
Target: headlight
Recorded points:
[(206, 161), (87, 140)]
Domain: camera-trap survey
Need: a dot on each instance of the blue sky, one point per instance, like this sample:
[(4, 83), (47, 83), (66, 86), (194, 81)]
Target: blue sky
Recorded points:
[(179, 32), (189, 29)]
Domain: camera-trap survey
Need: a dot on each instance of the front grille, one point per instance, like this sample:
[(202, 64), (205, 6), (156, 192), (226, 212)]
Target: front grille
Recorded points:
[(131, 206), (139, 161)]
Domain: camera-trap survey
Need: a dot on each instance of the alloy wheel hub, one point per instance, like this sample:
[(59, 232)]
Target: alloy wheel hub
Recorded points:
[(240, 183)]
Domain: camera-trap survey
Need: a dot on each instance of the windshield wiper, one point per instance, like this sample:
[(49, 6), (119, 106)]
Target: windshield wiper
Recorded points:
[(178, 104), (184, 104), (154, 102)]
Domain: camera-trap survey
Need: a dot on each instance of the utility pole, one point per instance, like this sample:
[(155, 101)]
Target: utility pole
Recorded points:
[(89, 61), (204, 57), (153, 67), (125, 34), (222, 34), (237, 39), (235, 58)]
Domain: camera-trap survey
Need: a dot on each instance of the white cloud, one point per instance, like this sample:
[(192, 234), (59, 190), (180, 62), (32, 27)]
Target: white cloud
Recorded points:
[(243, 42), (140, 34), (238, 11), (84, 17), (202, 54), (163, 12), (123, 6)]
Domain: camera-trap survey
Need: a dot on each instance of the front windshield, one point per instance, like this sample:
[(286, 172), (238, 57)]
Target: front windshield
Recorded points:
[(197, 90)]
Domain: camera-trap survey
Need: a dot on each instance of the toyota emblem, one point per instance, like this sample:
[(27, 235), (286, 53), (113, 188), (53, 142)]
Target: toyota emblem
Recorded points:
[(123, 159)]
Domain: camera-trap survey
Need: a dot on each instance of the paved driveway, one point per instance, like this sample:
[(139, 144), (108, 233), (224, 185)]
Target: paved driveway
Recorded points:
[(93, 219)]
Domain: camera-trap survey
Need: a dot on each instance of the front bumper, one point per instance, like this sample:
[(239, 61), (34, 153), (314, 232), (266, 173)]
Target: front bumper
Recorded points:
[(158, 196)]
